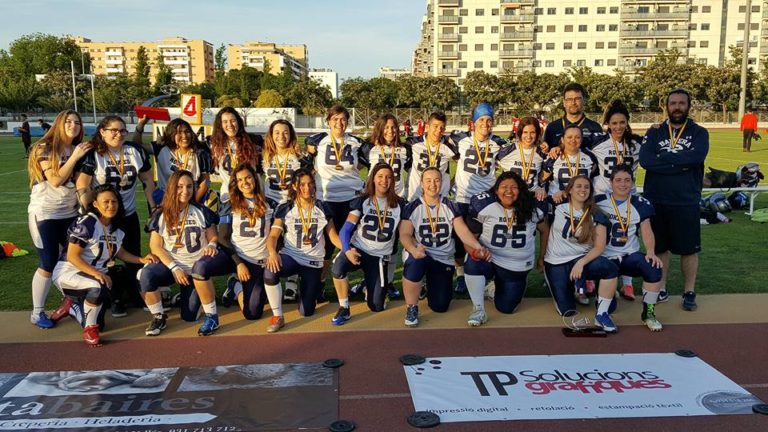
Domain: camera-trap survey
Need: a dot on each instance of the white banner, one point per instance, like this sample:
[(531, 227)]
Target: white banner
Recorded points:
[(573, 387)]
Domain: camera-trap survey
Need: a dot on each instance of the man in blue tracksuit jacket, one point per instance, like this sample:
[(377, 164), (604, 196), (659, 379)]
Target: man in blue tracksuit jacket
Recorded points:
[(673, 157)]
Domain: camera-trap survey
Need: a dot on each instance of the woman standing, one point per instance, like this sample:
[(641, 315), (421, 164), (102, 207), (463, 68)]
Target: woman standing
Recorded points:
[(53, 201), (525, 157), (509, 218), (282, 157), (119, 163), (181, 233), (576, 242), (570, 160), (302, 222), (426, 232), (368, 240), (95, 240)]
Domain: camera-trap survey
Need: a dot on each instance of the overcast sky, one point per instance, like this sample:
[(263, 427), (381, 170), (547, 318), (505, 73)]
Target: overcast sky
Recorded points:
[(354, 38)]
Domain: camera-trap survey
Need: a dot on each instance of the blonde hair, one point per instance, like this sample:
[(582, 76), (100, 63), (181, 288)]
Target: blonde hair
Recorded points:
[(50, 147)]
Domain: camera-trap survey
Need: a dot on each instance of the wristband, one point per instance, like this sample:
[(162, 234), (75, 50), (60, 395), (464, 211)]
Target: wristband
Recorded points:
[(213, 244), (173, 266)]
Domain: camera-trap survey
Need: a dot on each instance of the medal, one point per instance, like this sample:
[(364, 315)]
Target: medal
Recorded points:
[(121, 167), (110, 250), (307, 241), (575, 229), (510, 221), (232, 156), (110, 263), (432, 221), (282, 172), (305, 223), (619, 154), (623, 223), (527, 167), (381, 217), (283, 186), (573, 171), (337, 152), (338, 167), (674, 139), (623, 239), (483, 160), (433, 158), (183, 162), (179, 244)]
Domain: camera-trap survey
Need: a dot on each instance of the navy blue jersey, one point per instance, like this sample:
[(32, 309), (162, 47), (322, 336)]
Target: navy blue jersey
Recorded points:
[(590, 131)]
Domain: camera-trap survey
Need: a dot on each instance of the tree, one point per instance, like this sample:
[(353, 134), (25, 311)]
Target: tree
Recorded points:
[(427, 92), (113, 94), (229, 100), (141, 83), (206, 90), (220, 59), (269, 99), (665, 73), (539, 92), (356, 92), (310, 96), (724, 87), (40, 53), (56, 91), (480, 86), (163, 76), (603, 89), (18, 94)]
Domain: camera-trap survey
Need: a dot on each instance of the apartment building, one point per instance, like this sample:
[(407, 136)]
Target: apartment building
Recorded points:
[(191, 61), (279, 57), (328, 78), (394, 73), (550, 36)]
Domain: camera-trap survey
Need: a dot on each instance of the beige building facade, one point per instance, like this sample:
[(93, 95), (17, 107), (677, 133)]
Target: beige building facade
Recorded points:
[(279, 57)]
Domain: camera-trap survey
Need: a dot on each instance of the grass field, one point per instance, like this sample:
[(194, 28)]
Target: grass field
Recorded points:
[(733, 260)]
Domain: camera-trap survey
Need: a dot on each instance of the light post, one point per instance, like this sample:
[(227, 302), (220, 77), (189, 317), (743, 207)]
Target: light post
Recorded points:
[(74, 94)]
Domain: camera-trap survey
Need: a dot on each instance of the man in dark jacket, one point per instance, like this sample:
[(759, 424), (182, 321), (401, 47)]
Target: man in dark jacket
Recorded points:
[(26, 137), (673, 156)]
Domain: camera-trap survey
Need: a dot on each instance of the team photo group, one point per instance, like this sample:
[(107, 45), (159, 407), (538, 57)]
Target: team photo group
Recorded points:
[(287, 216)]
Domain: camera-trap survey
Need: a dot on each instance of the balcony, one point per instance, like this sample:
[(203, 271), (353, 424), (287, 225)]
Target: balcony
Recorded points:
[(650, 52), (118, 53), (175, 54), (115, 70), (448, 19), (176, 62), (653, 33), (629, 69), (519, 35), (448, 3), (517, 2), (634, 15), (516, 53), (113, 61), (524, 17), (181, 78), (448, 72), (448, 37), (448, 54), (517, 69), (180, 70)]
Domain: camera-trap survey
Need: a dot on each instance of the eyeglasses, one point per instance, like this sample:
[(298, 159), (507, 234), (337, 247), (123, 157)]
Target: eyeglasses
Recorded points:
[(114, 131)]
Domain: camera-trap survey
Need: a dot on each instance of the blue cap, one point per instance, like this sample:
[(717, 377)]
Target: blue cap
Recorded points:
[(483, 109)]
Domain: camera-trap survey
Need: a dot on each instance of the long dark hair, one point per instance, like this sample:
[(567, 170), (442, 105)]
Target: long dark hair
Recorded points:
[(270, 148), (170, 205), (297, 176), (118, 220), (525, 201), (370, 185), (246, 148), (377, 137), (239, 201), (618, 107), (98, 142), (527, 121), (169, 135)]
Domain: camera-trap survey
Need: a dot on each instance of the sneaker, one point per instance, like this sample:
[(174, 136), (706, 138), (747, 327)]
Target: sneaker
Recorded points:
[(627, 292), (392, 292), (275, 324), (157, 325), (166, 296), (412, 316), (461, 286), (582, 299), (228, 298), (689, 301), (290, 292), (605, 322), (63, 309), (42, 321), (423, 292), (210, 325), (118, 310), (649, 317), (490, 290), (477, 318), (357, 288), (663, 297), (91, 335), (341, 317), (589, 287)]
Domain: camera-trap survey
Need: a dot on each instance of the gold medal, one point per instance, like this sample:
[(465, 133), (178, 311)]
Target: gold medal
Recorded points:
[(283, 186), (484, 158), (575, 229), (306, 222), (433, 158), (432, 221), (381, 216), (623, 223), (674, 139), (307, 241), (180, 232), (110, 263), (183, 161), (573, 171), (337, 151), (232, 156), (527, 167), (338, 167), (121, 167), (619, 154), (510, 221), (282, 172)]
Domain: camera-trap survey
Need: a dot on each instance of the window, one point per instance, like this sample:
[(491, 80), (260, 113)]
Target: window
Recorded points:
[(538, 29), (479, 29), (742, 9), (538, 11), (692, 26), (613, 27), (581, 62), (462, 47), (494, 64), (694, 9), (550, 45), (611, 45), (691, 44), (611, 62), (599, 45), (495, 12), (701, 61), (706, 9), (550, 29), (537, 63), (479, 12), (551, 11), (740, 26), (582, 27), (601, 11), (478, 47), (754, 26), (614, 10), (569, 11), (568, 28), (494, 47), (705, 27), (600, 27), (463, 30), (537, 46), (583, 11), (462, 65), (598, 62), (643, 9), (566, 63), (463, 12), (494, 29), (581, 45), (752, 61), (568, 45), (549, 63), (478, 65), (704, 44), (755, 8)]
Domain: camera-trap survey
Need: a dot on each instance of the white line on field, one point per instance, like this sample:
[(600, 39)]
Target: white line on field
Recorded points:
[(12, 172), (14, 223)]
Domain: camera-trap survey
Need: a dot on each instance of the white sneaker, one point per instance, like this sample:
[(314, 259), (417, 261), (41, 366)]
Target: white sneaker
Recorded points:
[(490, 290), (478, 317)]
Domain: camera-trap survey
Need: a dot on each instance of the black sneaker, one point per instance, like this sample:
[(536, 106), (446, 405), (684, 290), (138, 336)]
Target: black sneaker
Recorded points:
[(689, 301), (157, 325), (228, 298), (663, 297), (341, 317), (118, 310)]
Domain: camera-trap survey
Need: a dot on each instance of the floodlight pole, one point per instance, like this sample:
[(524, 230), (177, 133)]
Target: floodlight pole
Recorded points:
[(745, 62), (93, 92), (74, 95)]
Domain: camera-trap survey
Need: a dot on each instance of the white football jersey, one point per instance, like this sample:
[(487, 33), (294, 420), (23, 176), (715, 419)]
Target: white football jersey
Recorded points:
[(442, 156), (294, 232), (250, 241), (400, 161), (565, 167), (620, 242), (511, 242), (99, 246), (336, 185), (47, 201), (511, 159), (169, 161), (192, 240), (608, 158), (563, 246), (108, 168), (437, 236), (369, 235), (224, 170), (475, 170), (272, 170)]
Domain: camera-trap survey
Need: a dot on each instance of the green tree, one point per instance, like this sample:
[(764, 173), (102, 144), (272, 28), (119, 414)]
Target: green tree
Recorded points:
[(357, 93), (56, 91), (18, 94), (427, 92), (229, 100), (163, 76), (141, 81), (113, 94), (539, 92), (664, 73), (311, 97), (480, 86), (724, 87), (269, 99), (40, 53), (220, 59), (207, 90), (603, 89)]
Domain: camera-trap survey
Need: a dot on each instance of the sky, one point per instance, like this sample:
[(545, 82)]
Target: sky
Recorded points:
[(354, 38)]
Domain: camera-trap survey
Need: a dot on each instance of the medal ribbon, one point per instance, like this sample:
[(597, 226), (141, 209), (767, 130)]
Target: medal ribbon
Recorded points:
[(674, 139), (583, 217), (624, 224), (107, 237), (509, 220), (577, 124), (619, 154), (382, 217), (430, 156), (183, 224), (251, 213), (183, 161), (484, 157), (336, 149), (232, 156), (384, 154), (573, 172), (432, 221), (281, 173), (527, 167), (121, 168), (305, 222)]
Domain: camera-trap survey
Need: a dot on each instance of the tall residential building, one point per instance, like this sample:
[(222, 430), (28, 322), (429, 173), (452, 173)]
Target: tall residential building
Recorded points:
[(279, 57), (394, 73), (191, 61), (327, 77), (550, 36)]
